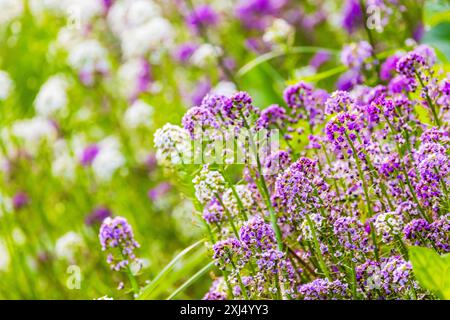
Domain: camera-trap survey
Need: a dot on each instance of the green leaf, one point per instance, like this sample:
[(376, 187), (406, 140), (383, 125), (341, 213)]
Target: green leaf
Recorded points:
[(191, 280), (431, 270), (146, 292)]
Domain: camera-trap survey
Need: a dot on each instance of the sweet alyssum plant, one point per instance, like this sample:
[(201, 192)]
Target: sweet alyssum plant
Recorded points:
[(332, 218)]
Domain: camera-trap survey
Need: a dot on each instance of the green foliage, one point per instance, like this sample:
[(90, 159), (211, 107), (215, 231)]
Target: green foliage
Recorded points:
[(431, 270)]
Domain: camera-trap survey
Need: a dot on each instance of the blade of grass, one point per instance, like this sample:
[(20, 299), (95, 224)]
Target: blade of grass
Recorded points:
[(152, 285), (191, 280), (278, 53)]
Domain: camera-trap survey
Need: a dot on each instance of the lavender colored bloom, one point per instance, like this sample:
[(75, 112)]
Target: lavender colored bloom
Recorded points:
[(89, 154), (230, 252), (269, 261), (257, 235), (295, 184), (440, 233), (216, 292), (198, 121), (388, 67), (184, 51), (202, 16), (348, 80), (297, 95), (355, 54), (352, 16), (319, 59), (410, 64), (116, 236), (213, 212), (276, 162), (272, 115), (255, 14), (339, 101), (97, 216), (202, 88), (351, 236), (324, 289), (240, 106), (417, 232), (159, 191), (20, 200)]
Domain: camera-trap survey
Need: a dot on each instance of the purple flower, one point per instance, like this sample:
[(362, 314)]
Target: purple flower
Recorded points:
[(355, 54), (202, 88), (184, 51), (295, 186), (272, 115), (257, 235), (230, 252), (319, 59), (20, 200), (348, 80), (159, 191), (117, 237), (388, 67), (352, 16), (198, 121), (88, 155), (202, 16), (213, 212), (97, 216), (324, 289)]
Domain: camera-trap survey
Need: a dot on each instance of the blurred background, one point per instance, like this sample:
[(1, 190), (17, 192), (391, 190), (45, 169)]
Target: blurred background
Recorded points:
[(85, 83)]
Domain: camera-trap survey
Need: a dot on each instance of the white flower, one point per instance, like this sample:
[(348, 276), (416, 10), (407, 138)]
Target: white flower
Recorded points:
[(10, 10), (64, 164), (224, 88), (67, 246), (279, 32), (156, 34), (125, 15), (208, 183), (387, 225), (89, 56), (5, 258), (130, 74), (173, 145), (34, 131), (230, 202), (205, 55), (6, 85), (139, 114), (108, 160), (52, 96)]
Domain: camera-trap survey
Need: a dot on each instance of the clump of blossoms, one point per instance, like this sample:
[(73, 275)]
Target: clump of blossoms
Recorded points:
[(116, 236), (334, 220)]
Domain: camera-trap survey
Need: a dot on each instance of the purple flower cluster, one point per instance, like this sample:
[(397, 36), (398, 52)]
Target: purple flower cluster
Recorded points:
[(116, 236)]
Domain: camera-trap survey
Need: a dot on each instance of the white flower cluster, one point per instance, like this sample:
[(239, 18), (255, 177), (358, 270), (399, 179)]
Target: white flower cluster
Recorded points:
[(231, 203), (67, 246), (139, 114), (10, 10), (140, 27), (52, 96), (208, 183), (279, 32), (88, 57), (108, 160), (387, 225), (205, 55), (173, 145)]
